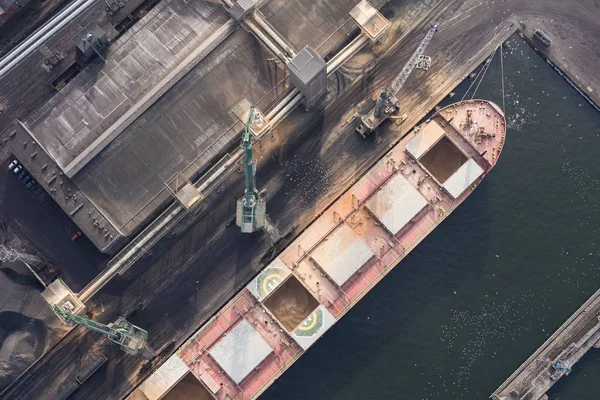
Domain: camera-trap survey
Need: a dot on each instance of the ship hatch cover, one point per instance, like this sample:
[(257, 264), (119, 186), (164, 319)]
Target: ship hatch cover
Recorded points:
[(342, 254), (396, 203), (463, 178), (240, 351)]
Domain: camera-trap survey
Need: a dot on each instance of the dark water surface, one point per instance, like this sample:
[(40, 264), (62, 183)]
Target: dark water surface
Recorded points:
[(495, 279)]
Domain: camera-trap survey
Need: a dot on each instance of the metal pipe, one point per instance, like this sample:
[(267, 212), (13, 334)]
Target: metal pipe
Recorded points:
[(266, 41), (235, 157), (92, 288), (259, 18), (282, 103), (42, 35), (346, 53), (288, 109)]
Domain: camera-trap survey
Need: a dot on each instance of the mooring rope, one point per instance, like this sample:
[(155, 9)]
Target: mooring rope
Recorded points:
[(502, 71), (489, 62), (477, 76)]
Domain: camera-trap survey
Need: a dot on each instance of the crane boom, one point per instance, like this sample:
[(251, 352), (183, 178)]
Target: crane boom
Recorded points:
[(399, 81), (251, 209), (387, 102), (250, 165), (132, 339), (88, 323)]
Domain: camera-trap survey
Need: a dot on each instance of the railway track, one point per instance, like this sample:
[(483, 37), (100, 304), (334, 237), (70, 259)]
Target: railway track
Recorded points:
[(42, 35)]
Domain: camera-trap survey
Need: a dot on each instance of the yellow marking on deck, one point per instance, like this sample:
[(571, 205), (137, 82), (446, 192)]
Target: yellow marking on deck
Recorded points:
[(312, 325), (267, 279)]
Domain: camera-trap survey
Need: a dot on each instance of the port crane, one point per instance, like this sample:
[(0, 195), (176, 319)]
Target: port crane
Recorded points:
[(132, 339), (251, 209), (386, 104)]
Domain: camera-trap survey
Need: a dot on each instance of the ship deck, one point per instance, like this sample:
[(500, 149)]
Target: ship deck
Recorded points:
[(343, 254)]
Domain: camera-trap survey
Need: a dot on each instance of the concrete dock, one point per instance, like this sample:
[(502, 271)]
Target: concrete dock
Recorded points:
[(555, 358)]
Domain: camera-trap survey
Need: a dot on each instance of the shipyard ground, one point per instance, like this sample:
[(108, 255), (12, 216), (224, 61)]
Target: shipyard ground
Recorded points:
[(192, 274), (33, 223)]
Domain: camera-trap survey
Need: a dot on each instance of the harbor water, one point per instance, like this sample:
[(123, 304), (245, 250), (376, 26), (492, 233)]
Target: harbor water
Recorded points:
[(457, 316)]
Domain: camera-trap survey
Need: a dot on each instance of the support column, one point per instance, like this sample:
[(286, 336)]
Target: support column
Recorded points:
[(308, 73)]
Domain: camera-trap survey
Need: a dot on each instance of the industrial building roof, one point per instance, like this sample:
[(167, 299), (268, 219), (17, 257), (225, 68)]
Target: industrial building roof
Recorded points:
[(342, 254), (189, 125), (240, 351), (396, 203), (77, 118), (430, 134), (463, 178)]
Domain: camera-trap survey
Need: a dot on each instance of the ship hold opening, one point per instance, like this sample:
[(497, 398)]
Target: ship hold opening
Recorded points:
[(443, 159), (291, 303), (189, 388)]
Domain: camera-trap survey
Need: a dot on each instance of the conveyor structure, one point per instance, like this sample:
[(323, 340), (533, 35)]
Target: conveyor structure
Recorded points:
[(132, 339)]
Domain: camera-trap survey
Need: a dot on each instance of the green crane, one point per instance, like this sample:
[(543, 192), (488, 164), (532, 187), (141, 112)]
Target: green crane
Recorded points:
[(251, 209), (132, 339)]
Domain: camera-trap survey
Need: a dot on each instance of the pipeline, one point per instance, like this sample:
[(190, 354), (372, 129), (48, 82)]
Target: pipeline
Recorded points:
[(273, 34), (39, 37)]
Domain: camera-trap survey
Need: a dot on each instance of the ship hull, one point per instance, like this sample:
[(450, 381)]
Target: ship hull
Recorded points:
[(342, 255)]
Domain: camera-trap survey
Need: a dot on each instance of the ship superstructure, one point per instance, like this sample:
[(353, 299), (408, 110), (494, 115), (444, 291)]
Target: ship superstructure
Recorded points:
[(317, 279)]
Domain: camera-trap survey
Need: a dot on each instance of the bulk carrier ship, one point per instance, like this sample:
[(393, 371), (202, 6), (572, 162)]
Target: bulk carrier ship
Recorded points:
[(319, 277)]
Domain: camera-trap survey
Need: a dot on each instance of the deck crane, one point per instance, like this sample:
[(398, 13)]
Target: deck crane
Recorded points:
[(251, 208), (132, 339), (387, 102)]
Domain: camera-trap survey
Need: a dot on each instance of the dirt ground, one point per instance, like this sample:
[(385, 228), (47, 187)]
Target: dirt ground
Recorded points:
[(443, 160), (27, 326), (291, 303), (32, 223)]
